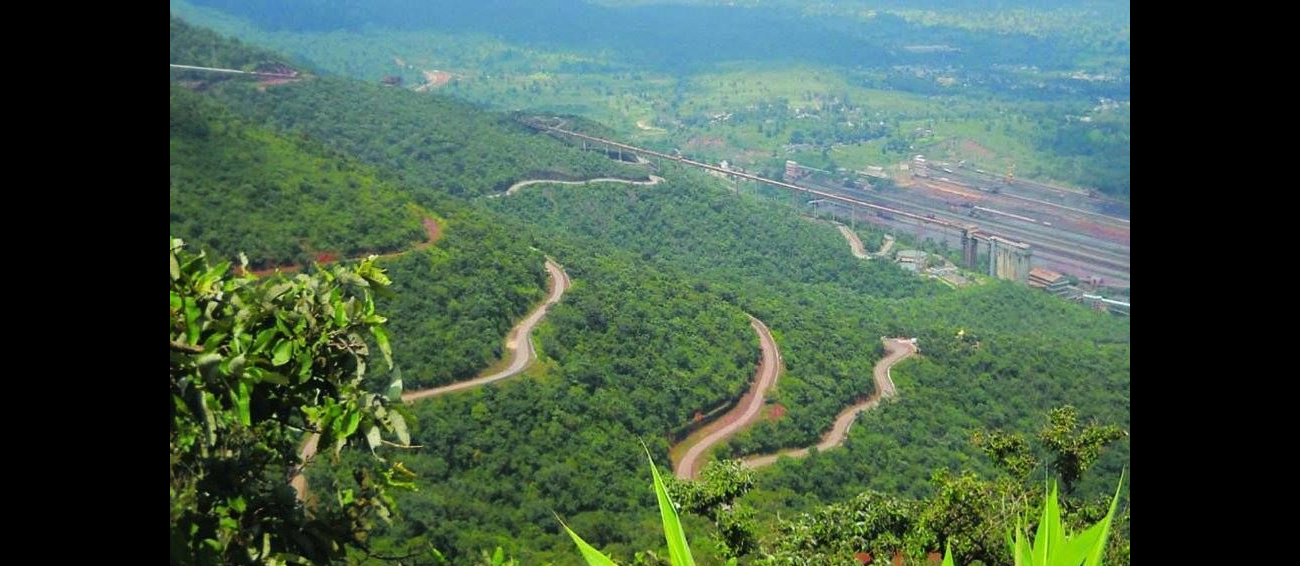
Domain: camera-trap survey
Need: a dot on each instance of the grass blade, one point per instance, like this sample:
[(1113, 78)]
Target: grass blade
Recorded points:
[(593, 556), (1099, 547), (1022, 551), (1051, 533), (679, 552)]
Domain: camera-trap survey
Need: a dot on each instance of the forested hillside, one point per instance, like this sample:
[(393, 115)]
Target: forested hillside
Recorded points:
[(429, 142), (630, 355), (828, 309), (199, 47), (236, 187), (652, 333)]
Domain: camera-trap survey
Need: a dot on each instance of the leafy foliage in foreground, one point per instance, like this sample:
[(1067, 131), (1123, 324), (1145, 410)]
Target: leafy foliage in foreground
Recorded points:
[(968, 514), (679, 551), (892, 526), (256, 365)]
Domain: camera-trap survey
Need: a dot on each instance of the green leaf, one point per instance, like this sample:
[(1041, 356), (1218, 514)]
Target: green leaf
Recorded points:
[(235, 365), (1099, 548), (1077, 549), (283, 352), (1048, 537), (263, 338), (679, 552), (241, 403), (373, 438), (1021, 551), (192, 315), (350, 426), (947, 555), (271, 377), (214, 340), (175, 268), (381, 336), (340, 315), (593, 556), (395, 388), (278, 290), (399, 428), (209, 420)]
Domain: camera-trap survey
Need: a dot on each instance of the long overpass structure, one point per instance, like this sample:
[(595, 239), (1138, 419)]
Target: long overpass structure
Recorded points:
[(235, 71), (1008, 258)]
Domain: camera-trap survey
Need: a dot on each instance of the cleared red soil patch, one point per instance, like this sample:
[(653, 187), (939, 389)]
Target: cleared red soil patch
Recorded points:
[(435, 79), (777, 411), (269, 82), (431, 230)]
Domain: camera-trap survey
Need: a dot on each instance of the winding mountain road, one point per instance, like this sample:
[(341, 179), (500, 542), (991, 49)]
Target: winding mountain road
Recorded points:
[(854, 243), (889, 243), (745, 412), (898, 350), (518, 341), (654, 180)]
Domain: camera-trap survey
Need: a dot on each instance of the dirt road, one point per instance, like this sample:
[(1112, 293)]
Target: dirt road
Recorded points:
[(889, 243), (518, 341), (854, 243), (898, 349), (742, 415), (654, 180)]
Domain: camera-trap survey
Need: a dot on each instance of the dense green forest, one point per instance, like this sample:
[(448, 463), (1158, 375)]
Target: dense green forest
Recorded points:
[(236, 187), (429, 142), (826, 308), (652, 332), (199, 47), (956, 386), (454, 303), (630, 355)]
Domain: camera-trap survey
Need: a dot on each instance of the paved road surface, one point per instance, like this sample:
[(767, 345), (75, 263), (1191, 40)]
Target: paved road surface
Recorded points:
[(898, 349)]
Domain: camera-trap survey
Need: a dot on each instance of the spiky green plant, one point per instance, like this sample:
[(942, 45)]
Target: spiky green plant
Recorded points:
[(1052, 545), (679, 553)]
